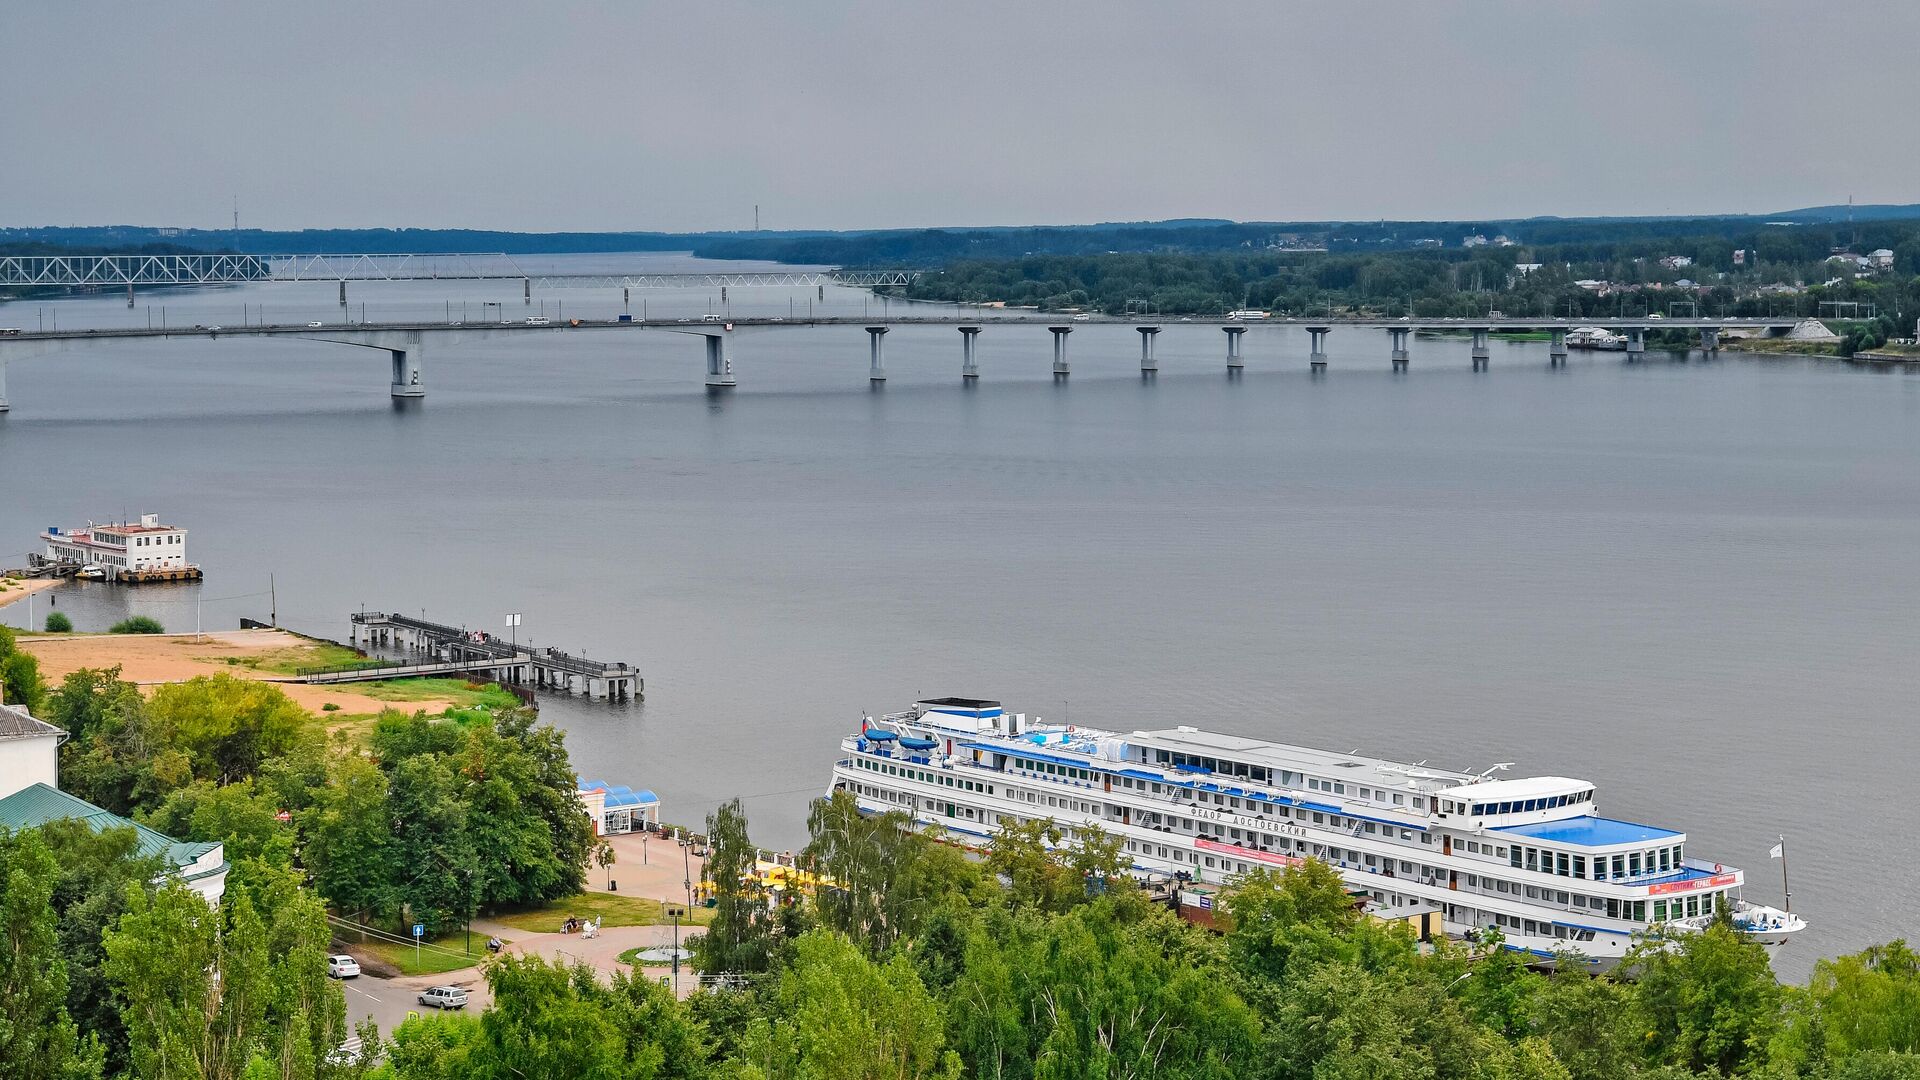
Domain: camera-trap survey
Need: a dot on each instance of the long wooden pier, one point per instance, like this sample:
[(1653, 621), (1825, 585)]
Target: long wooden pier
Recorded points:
[(447, 650)]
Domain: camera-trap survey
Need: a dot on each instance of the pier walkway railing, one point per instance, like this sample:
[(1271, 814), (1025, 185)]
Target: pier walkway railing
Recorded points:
[(457, 648)]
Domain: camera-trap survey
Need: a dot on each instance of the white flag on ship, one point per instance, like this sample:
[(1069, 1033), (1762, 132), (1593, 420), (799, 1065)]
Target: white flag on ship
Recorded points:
[(1777, 853)]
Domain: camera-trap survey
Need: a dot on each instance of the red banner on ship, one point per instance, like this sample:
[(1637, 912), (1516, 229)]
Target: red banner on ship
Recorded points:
[(1689, 886), (1272, 857)]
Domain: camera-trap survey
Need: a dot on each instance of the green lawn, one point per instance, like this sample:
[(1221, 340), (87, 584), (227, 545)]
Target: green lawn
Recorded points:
[(459, 692), (616, 909), (288, 660), (443, 953)]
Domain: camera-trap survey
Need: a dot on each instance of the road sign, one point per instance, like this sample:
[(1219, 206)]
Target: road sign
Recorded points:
[(419, 929), (513, 618), (283, 816)]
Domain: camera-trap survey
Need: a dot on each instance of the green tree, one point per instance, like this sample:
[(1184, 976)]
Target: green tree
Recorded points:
[(227, 727), (740, 938), (1045, 869), (96, 870), (350, 844), (885, 879), (1588, 1022), (433, 857), (38, 1037), (237, 815), (20, 682), (1707, 1000), (163, 959), (837, 1015)]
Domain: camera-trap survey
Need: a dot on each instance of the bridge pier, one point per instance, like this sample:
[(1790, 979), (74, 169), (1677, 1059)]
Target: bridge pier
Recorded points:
[(343, 292), (1317, 355), (1557, 350), (1481, 354), (969, 368), (1636, 342), (1234, 362), (1148, 365), (1709, 339), (526, 291), (407, 372), (1060, 368), (4, 406), (719, 365), (129, 295), (1399, 334), (876, 354)]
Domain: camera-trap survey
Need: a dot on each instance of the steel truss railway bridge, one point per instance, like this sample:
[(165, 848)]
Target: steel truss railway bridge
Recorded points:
[(406, 343), (128, 271)]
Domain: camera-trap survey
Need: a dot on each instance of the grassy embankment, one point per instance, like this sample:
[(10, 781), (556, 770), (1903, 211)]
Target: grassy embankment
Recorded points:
[(448, 952), (616, 909)]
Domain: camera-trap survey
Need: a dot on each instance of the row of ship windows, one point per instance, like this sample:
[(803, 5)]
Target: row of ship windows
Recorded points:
[(1286, 778), (156, 541), (1540, 929), (1521, 806), (1635, 864), (956, 782), (1631, 910)]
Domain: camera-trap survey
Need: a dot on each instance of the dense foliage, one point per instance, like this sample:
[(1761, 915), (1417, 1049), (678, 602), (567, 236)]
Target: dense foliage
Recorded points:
[(109, 966), (1043, 963), (1783, 272)]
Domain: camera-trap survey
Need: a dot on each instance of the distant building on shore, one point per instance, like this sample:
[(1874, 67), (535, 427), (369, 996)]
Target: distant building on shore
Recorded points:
[(146, 551), (30, 796)]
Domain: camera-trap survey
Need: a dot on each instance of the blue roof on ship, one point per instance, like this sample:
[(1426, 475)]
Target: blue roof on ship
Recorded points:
[(1589, 832), (1023, 752)]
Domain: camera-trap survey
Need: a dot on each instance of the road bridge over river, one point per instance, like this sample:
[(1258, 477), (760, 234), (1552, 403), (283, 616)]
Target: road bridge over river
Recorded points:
[(406, 343)]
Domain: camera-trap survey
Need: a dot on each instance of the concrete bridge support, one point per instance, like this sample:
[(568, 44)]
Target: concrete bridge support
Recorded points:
[(1060, 368), (1480, 351), (1557, 350), (4, 406), (1636, 342), (1709, 339), (408, 372), (876, 354), (1148, 365), (1399, 334), (719, 364), (343, 292), (129, 294), (526, 291), (969, 368), (1234, 362), (1317, 356)]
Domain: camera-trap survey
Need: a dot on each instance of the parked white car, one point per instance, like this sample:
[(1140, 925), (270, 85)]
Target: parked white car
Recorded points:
[(343, 967)]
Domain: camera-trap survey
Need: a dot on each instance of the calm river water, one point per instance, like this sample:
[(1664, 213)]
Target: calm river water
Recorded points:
[(1690, 580)]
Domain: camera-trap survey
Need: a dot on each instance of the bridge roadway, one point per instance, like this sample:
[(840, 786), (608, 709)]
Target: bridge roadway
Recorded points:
[(406, 342)]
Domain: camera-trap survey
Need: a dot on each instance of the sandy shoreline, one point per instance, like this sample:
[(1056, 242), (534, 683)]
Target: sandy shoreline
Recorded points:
[(20, 588), (154, 659)]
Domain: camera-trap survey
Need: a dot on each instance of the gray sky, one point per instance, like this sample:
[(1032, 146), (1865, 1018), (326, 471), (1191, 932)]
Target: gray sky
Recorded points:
[(523, 114)]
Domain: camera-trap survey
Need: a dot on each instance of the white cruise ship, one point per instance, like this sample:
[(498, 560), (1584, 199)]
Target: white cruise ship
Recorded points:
[(1529, 856)]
